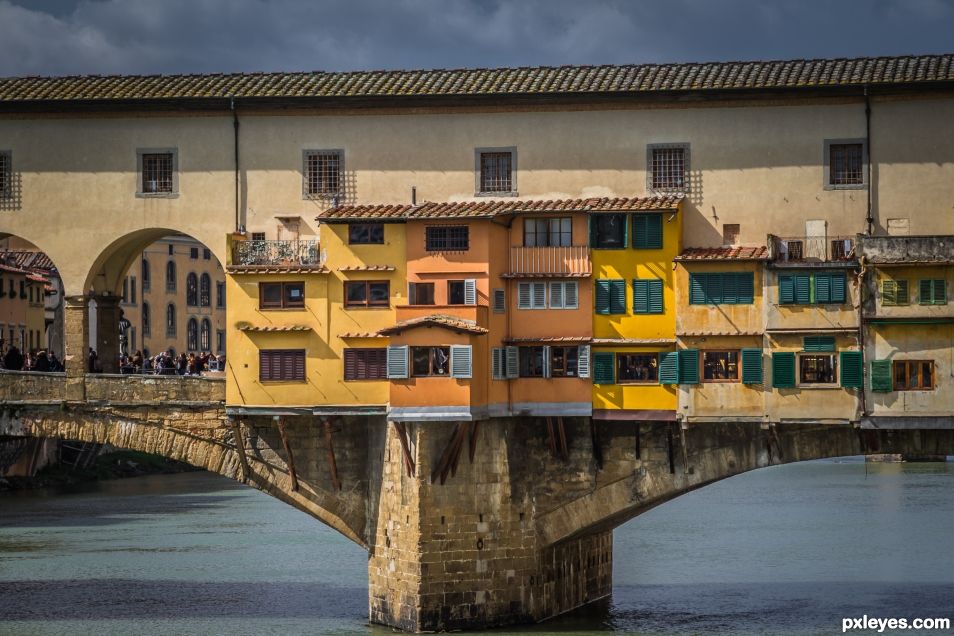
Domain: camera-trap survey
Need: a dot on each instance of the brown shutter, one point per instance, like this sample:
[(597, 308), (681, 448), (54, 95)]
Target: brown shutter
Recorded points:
[(380, 368), (350, 364), (265, 365), (299, 365)]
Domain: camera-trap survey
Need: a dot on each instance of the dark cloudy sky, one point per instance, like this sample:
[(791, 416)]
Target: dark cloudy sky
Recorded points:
[(51, 37)]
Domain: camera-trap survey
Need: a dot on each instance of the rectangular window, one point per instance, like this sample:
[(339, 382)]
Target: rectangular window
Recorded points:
[(730, 233), (322, 172), (806, 289), (281, 295), (6, 174), (817, 369), (637, 368), (256, 236), (447, 238), (647, 231), (610, 296), (194, 253), (157, 170), (647, 296), (132, 290), (608, 231), (220, 294), (894, 293), (531, 295), (496, 172), (499, 301), (932, 291), (171, 249), (564, 362), (548, 232), (720, 366), (722, 288), (430, 361), (286, 365), (366, 364), (366, 233), (846, 164), (367, 293), (220, 342), (420, 293), (564, 295), (206, 254), (913, 375), (668, 169), (531, 362), (455, 292)]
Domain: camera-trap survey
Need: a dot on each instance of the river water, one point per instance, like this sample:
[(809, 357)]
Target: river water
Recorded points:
[(783, 550)]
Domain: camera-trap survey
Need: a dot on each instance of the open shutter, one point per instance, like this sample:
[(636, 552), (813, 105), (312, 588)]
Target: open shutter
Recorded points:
[(669, 367), (852, 370), (689, 366), (783, 369), (397, 361), (539, 299), (838, 295), (583, 361), (881, 376), (497, 362), (745, 288), (618, 297), (697, 289), (461, 361), (604, 371), (803, 289), (571, 295), (556, 296), (640, 296), (655, 296), (818, 343), (470, 291), (602, 296), (786, 290), (751, 366), (547, 362), (512, 366)]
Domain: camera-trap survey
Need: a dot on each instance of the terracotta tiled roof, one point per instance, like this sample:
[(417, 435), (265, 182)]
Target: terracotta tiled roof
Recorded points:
[(724, 254), (273, 328), (558, 339), (27, 260), (367, 268), (633, 341), (435, 320), (693, 334), (489, 208), (631, 78), (360, 334), (12, 270)]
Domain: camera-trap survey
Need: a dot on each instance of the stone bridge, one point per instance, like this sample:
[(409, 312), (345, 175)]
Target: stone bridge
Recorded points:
[(467, 525)]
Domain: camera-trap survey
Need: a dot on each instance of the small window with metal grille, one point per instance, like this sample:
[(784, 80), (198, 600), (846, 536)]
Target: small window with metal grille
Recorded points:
[(6, 174), (668, 167), (447, 238), (157, 172), (496, 171), (258, 236), (322, 172), (845, 164)]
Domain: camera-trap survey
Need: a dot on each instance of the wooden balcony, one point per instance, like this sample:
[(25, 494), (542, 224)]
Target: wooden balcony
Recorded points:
[(568, 261)]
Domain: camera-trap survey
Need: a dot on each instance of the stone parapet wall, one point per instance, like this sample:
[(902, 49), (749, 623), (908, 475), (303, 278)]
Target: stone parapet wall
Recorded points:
[(137, 389), (17, 386)]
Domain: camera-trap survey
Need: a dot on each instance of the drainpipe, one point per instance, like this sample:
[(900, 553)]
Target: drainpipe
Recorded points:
[(861, 333), (235, 126), (869, 220)]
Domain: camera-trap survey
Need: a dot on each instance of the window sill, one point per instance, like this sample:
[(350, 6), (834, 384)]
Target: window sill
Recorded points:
[(818, 386), (302, 308), (853, 186), (157, 195), (350, 307), (511, 193), (320, 196)]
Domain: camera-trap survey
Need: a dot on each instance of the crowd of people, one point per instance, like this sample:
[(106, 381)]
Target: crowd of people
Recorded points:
[(38, 360), (167, 363)]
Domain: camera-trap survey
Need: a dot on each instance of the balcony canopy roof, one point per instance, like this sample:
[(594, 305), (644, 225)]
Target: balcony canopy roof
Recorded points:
[(724, 254), (460, 325)]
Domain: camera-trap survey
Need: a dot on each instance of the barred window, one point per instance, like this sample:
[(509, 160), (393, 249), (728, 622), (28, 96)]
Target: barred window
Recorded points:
[(496, 172), (669, 168), (157, 173), (6, 174), (323, 172), (444, 238), (846, 164)]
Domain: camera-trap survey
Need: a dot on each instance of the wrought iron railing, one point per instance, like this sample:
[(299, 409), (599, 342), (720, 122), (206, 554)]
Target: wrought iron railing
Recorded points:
[(570, 259), (276, 253), (807, 249)]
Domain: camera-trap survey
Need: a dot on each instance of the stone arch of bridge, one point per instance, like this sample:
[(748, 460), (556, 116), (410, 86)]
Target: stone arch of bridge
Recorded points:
[(215, 452)]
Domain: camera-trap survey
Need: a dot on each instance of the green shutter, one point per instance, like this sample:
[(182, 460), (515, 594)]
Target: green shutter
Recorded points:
[(751, 366), (669, 367), (689, 366), (730, 288), (745, 288), (617, 297), (655, 296), (889, 293), (783, 369), (838, 294), (640, 296), (803, 286), (902, 293), (852, 370), (625, 218), (697, 289), (940, 292), (639, 231), (819, 343), (603, 296), (714, 289), (786, 290), (647, 231), (604, 367), (823, 288), (881, 376)]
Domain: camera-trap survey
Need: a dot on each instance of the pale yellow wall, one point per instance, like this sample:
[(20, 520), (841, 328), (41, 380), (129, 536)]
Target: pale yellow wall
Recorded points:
[(914, 308), (815, 316), (725, 399), (722, 318), (913, 342), (634, 396)]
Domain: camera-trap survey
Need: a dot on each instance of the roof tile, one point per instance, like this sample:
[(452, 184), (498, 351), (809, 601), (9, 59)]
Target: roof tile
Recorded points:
[(724, 254)]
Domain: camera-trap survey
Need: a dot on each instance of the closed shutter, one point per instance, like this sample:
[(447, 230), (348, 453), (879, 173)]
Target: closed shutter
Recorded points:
[(498, 361), (602, 296), (281, 364), (571, 295), (714, 289), (669, 367), (604, 371), (539, 296), (378, 370), (556, 296), (889, 293), (655, 296), (786, 290), (500, 301), (697, 289), (397, 361), (783, 369), (803, 289), (512, 365), (350, 364), (838, 295), (818, 343), (823, 288), (689, 366), (639, 231), (745, 288), (461, 361), (265, 365), (470, 291), (925, 291), (523, 295), (730, 288), (881, 376), (647, 231), (583, 361), (547, 362), (852, 369), (618, 297), (640, 296), (751, 366)]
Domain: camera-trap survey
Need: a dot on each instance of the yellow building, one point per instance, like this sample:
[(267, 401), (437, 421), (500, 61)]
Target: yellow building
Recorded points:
[(22, 312)]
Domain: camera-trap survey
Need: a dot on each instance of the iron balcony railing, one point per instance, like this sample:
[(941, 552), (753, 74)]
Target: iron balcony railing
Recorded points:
[(567, 260), (276, 253), (809, 249)]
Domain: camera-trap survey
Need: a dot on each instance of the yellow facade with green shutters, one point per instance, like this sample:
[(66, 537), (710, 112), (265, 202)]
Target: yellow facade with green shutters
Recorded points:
[(324, 328), (640, 320)]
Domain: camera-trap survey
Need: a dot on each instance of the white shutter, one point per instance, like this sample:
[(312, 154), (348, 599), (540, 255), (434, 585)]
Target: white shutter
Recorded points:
[(571, 295), (512, 365), (523, 295), (497, 362), (546, 361), (556, 296), (397, 361), (500, 301), (470, 291), (583, 361), (539, 296), (461, 362)]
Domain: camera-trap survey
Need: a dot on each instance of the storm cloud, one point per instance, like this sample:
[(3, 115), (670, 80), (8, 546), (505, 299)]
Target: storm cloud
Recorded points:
[(56, 37)]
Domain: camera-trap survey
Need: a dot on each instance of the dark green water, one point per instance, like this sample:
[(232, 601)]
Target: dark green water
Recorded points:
[(786, 550)]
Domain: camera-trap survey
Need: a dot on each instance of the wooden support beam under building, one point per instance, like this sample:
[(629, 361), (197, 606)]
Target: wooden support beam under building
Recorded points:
[(451, 455), (280, 422), (475, 431), (240, 448), (332, 464), (409, 464)]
